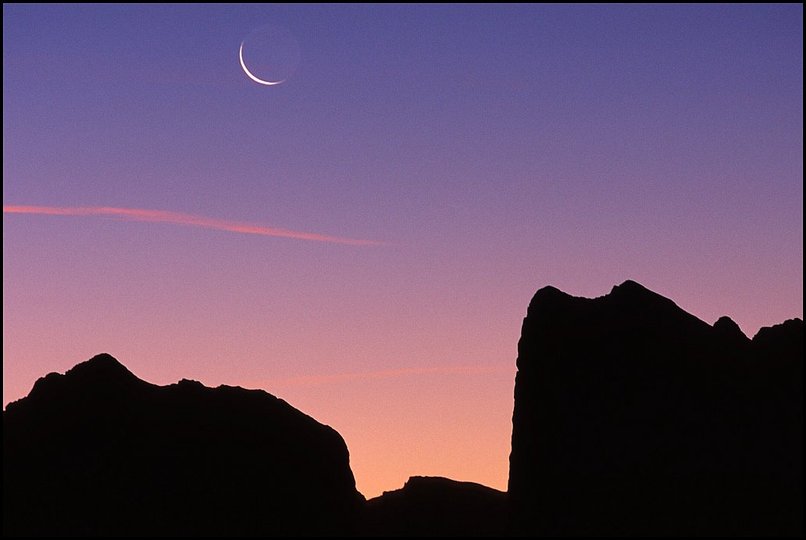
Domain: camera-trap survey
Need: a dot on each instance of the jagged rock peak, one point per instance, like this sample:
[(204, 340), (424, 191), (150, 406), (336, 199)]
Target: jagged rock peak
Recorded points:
[(630, 287), (547, 298), (439, 482), (102, 372), (549, 291), (101, 366), (727, 327), (196, 461), (628, 413), (433, 506), (629, 295), (633, 293), (792, 327)]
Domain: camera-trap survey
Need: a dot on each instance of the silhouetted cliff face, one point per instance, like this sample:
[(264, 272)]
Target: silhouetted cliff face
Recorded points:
[(97, 451), (634, 417), (434, 506)]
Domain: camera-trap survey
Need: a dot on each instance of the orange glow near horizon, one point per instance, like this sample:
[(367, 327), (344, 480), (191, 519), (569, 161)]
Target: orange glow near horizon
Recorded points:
[(454, 422), (178, 218), (425, 206), (315, 380)]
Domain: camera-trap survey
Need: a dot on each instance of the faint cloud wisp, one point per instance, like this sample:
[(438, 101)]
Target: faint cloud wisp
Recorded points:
[(177, 218), (316, 380)]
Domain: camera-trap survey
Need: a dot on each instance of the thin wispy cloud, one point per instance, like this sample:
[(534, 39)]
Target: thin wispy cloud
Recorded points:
[(334, 378), (190, 220)]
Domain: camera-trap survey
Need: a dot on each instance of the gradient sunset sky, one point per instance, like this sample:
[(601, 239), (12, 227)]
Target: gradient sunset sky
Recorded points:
[(363, 239)]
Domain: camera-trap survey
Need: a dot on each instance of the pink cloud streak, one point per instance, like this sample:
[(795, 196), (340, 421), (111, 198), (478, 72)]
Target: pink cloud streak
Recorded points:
[(177, 218), (315, 380)]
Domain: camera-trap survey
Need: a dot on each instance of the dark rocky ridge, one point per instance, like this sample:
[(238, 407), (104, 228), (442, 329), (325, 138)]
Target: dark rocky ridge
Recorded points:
[(633, 417), (98, 452), (434, 506)]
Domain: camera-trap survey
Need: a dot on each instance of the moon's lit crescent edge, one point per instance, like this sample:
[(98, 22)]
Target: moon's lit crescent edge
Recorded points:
[(249, 73)]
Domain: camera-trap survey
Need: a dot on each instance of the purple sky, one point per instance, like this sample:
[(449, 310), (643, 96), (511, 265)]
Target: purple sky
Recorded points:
[(485, 151)]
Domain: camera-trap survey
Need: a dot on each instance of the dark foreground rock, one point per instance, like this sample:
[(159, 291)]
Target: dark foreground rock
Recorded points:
[(433, 506), (98, 452), (633, 417)]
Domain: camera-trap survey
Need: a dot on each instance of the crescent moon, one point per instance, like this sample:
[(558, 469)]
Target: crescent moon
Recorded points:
[(251, 76)]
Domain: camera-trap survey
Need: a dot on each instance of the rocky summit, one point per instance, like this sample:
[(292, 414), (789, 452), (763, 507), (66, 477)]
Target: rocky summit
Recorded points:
[(633, 417), (435, 506), (99, 452)]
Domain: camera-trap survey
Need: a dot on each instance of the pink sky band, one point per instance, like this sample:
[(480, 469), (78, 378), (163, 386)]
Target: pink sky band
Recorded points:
[(177, 218), (315, 380)]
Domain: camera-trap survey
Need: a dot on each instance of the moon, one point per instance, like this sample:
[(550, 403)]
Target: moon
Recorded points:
[(251, 75)]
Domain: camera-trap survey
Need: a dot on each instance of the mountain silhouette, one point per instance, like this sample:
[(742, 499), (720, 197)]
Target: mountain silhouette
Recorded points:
[(98, 452), (434, 506), (633, 417)]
